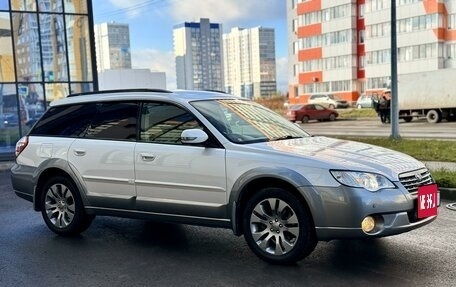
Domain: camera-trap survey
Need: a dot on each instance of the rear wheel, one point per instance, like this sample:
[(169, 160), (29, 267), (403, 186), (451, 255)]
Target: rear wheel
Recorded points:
[(305, 119), (62, 208), (332, 117), (331, 106), (433, 116), (277, 227)]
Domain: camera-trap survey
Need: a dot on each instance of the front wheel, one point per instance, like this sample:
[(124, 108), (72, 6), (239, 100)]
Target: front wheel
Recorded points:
[(277, 227), (62, 208)]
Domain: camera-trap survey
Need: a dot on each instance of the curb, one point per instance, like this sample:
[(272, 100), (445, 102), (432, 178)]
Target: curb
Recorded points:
[(6, 165)]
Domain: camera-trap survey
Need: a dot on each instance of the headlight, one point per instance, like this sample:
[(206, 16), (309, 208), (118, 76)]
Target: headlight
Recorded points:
[(369, 181)]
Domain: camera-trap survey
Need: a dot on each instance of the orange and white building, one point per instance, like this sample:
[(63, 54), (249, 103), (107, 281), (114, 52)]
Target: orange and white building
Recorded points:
[(342, 47)]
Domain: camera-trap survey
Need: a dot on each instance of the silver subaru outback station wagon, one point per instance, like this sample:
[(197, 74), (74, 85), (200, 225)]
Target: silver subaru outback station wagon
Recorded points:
[(212, 159)]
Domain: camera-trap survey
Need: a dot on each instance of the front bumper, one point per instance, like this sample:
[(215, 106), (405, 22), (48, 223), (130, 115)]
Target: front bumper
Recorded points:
[(339, 211), (342, 105), (393, 224)]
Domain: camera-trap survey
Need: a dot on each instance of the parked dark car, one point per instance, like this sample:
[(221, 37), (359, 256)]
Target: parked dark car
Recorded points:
[(305, 113)]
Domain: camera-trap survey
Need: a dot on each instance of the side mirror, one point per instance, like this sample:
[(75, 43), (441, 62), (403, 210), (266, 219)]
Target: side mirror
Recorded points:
[(193, 136)]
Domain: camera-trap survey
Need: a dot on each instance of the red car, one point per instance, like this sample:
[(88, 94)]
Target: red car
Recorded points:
[(307, 112)]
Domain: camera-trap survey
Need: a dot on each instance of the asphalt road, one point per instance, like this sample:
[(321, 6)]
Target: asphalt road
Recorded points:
[(124, 252), (373, 127)]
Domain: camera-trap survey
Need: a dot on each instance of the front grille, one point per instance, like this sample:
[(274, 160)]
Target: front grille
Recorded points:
[(411, 180)]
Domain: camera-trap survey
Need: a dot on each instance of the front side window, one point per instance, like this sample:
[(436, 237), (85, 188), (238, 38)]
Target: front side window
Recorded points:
[(164, 123)]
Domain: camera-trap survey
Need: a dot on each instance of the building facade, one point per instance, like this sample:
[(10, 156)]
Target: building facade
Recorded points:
[(46, 53), (343, 47), (198, 55), (112, 42), (249, 58), (131, 79)]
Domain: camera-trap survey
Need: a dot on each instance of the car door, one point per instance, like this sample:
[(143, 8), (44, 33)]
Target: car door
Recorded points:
[(320, 112), (173, 178), (104, 157), (310, 111)]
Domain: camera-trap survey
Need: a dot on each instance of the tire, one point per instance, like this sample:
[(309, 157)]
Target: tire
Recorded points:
[(332, 117), (408, 119), (62, 208), (277, 227), (433, 117), (331, 106), (305, 119)]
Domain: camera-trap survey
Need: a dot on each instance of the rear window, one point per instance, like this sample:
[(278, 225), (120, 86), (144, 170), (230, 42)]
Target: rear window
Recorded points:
[(115, 121)]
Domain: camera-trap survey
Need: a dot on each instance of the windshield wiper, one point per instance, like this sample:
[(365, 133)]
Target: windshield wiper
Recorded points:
[(287, 137)]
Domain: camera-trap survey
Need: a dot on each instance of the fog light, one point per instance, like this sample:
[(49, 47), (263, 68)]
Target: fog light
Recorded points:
[(368, 224)]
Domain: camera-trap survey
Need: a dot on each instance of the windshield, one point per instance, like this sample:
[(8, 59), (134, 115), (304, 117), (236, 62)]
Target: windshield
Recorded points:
[(247, 122)]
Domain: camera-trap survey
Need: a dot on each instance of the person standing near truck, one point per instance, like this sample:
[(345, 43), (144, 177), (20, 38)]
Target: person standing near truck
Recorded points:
[(384, 105)]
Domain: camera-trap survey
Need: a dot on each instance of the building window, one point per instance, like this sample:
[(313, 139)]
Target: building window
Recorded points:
[(361, 11), (52, 57)]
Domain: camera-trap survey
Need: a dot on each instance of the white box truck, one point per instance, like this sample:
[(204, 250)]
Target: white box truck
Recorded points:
[(428, 94)]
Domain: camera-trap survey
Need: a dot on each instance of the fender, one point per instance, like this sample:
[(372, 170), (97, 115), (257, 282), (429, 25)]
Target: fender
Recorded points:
[(283, 174)]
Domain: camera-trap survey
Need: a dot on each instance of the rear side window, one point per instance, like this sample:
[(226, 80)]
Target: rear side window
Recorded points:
[(68, 121), (115, 121)]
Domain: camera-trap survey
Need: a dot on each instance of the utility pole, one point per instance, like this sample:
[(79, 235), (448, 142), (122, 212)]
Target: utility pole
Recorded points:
[(394, 95)]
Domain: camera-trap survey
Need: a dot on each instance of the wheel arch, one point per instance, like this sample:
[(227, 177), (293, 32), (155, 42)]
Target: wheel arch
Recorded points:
[(254, 181), (53, 168)]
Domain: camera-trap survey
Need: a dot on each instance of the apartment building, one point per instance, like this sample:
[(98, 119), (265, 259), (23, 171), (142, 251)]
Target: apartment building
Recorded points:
[(198, 55), (112, 41), (343, 47), (250, 67)]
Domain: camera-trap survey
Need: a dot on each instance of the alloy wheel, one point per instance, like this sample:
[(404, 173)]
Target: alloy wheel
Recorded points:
[(60, 205), (274, 226)]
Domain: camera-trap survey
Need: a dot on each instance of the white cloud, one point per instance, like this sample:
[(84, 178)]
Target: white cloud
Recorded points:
[(229, 12), (156, 61)]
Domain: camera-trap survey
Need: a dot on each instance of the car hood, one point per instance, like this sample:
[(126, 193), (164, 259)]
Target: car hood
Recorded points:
[(343, 154)]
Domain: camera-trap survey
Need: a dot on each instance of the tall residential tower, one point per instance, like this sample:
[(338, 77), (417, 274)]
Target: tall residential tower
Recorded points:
[(250, 67), (198, 55), (112, 41)]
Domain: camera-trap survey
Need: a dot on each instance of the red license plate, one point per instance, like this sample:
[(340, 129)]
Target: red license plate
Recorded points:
[(428, 200)]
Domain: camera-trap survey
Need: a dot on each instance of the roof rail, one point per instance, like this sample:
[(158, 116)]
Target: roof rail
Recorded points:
[(216, 91), (120, 91)]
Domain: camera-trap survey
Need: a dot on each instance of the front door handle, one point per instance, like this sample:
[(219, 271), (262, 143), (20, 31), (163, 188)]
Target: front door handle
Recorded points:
[(147, 157)]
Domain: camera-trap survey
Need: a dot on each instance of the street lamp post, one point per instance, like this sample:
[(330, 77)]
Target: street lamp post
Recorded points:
[(394, 95)]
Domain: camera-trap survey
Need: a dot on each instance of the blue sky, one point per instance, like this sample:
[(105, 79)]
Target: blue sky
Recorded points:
[(151, 26)]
